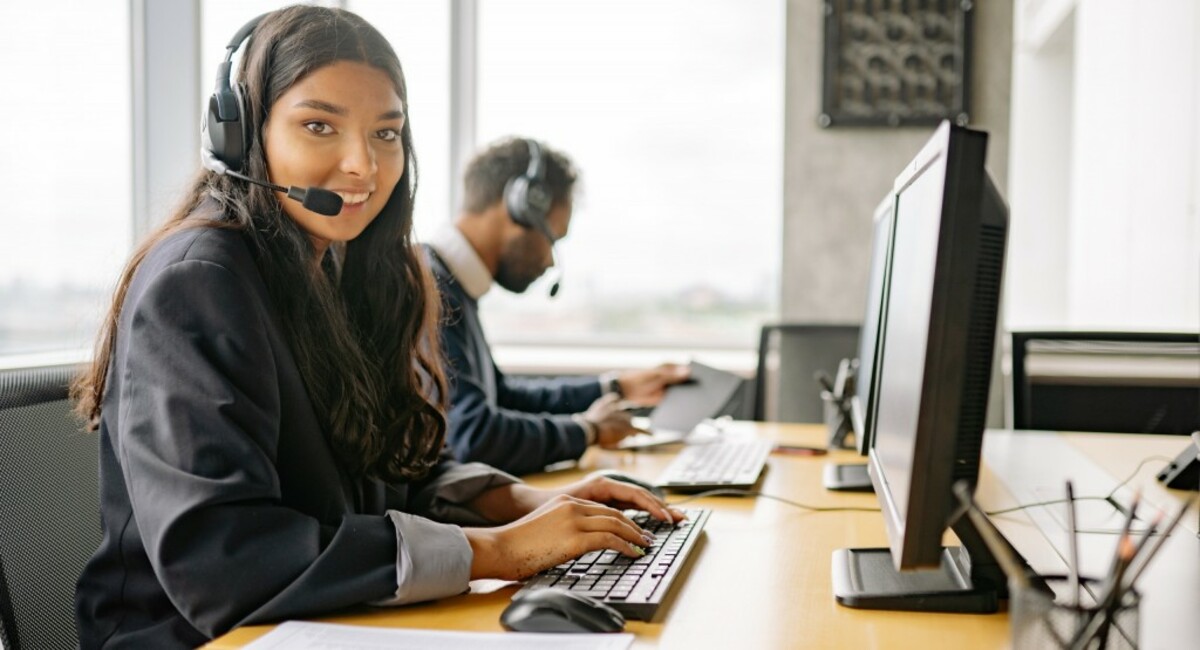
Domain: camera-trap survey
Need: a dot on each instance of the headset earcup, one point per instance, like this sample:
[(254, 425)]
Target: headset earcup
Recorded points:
[(526, 196), (514, 199), (224, 132), (209, 136), (226, 139)]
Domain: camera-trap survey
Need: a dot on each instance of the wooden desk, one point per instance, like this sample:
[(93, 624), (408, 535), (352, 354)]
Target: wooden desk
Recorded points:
[(762, 577)]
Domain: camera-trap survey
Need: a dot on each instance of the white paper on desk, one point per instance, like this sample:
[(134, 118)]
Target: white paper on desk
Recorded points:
[(300, 635)]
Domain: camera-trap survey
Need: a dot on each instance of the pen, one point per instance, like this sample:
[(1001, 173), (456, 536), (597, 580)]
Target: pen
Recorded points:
[(1074, 543), (1144, 558), (799, 450), (1142, 561), (1110, 600), (1144, 542)]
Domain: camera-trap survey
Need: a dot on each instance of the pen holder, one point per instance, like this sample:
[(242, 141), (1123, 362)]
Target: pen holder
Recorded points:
[(837, 419), (1038, 621)]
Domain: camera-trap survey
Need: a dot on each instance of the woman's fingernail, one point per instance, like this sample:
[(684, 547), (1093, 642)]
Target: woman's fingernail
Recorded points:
[(648, 538), (637, 550)]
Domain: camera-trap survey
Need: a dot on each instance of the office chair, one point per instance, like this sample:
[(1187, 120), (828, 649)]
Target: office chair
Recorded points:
[(49, 512), (1120, 382), (788, 356)]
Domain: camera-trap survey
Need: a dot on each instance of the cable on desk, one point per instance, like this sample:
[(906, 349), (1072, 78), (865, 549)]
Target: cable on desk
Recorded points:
[(1108, 497), (753, 493)]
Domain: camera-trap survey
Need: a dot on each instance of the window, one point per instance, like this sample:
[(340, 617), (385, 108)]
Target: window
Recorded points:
[(673, 112), (679, 213), (66, 172)]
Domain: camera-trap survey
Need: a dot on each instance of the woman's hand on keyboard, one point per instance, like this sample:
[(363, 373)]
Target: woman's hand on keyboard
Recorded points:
[(563, 528), (623, 495)]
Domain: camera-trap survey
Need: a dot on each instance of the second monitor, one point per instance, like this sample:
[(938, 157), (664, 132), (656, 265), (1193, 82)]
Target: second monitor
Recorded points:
[(932, 369)]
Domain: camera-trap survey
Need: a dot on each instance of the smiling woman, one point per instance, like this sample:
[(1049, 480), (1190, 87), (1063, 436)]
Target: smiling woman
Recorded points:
[(270, 405)]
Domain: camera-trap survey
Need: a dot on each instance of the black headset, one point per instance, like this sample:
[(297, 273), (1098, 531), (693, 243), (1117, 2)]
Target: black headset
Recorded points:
[(224, 132), (526, 196), (528, 200)]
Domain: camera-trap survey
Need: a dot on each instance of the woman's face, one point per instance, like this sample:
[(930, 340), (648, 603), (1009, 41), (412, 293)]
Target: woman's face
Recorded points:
[(337, 128)]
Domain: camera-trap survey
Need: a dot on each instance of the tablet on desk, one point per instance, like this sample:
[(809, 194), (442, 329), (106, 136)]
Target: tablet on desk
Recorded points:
[(705, 395)]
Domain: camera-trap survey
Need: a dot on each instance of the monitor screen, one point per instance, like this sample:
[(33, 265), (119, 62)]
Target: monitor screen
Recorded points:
[(873, 315), (934, 366)]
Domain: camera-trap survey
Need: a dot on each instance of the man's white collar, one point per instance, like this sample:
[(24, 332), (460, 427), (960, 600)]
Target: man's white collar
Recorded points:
[(461, 259)]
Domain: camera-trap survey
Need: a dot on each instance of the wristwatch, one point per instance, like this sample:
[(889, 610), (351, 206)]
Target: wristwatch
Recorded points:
[(610, 383)]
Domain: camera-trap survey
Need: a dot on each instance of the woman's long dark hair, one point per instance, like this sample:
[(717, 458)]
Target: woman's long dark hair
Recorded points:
[(366, 342)]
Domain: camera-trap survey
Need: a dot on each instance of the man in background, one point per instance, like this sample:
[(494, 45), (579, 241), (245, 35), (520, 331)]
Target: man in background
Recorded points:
[(517, 204)]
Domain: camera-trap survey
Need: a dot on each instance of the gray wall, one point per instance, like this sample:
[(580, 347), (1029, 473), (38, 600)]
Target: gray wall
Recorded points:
[(834, 178)]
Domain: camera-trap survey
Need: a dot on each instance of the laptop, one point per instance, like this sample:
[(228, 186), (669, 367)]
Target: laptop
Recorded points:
[(703, 396)]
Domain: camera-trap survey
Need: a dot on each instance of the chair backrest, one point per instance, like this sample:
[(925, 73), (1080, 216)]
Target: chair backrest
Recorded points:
[(789, 354), (49, 508), (1126, 382)]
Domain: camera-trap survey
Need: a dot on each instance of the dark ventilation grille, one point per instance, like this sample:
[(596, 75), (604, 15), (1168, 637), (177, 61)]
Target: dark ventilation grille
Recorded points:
[(981, 338), (49, 512)]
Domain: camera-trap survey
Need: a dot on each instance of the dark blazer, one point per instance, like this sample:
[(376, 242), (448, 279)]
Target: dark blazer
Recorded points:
[(222, 502), (517, 425)]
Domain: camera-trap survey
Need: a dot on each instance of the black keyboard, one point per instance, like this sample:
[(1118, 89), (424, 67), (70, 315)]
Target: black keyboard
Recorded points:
[(633, 586), (718, 464)]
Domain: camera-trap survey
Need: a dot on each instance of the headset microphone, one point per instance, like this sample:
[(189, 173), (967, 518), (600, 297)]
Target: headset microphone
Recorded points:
[(558, 270), (317, 199)]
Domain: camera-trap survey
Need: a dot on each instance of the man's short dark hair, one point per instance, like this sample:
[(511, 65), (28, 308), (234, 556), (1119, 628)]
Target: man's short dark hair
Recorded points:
[(491, 169)]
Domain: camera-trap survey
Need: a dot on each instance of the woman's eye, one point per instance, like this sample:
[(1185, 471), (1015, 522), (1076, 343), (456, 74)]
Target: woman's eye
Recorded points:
[(388, 135), (319, 128)]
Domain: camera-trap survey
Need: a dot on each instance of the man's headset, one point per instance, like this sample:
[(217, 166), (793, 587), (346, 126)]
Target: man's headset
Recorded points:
[(225, 134), (527, 197), (528, 200)]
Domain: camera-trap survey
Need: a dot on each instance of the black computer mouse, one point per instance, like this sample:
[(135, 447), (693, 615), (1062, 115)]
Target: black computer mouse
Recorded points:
[(624, 478), (556, 610)]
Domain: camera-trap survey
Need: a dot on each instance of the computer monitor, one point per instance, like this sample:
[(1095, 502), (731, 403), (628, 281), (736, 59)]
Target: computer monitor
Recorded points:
[(931, 374), (852, 477)]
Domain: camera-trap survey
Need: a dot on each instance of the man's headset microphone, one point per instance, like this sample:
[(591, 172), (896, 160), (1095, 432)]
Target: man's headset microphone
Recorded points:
[(224, 135), (529, 200)]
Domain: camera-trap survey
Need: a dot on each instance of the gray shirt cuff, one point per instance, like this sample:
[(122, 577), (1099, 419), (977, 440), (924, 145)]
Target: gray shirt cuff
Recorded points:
[(455, 488), (432, 560)]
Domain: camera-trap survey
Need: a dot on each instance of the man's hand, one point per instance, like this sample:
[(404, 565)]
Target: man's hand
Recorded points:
[(611, 420), (647, 387)]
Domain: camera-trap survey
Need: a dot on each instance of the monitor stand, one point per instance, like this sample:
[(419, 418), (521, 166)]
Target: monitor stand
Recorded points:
[(847, 477), (969, 579)]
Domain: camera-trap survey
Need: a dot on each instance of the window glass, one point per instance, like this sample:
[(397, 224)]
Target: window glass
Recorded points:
[(673, 112), (66, 172)]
